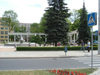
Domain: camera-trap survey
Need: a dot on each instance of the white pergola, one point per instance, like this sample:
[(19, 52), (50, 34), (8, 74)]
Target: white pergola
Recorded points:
[(73, 36), (25, 34)]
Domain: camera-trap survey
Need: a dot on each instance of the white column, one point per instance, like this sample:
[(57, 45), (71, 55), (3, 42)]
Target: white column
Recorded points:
[(45, 38), (27, 37), (98, 26), (14, 38), (74, 37), (70, 38)]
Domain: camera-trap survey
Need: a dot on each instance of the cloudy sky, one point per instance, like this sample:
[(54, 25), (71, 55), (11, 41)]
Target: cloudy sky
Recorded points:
[(30, 11)]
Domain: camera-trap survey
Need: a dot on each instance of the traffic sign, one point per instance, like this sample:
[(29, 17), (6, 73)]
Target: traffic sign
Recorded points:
[(92, 19)]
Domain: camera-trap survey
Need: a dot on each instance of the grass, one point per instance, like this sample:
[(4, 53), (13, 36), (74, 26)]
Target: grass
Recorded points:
[(42, 72), (37, 72)]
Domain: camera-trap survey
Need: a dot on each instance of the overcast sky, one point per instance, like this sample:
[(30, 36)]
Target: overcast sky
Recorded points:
[(30, 11)]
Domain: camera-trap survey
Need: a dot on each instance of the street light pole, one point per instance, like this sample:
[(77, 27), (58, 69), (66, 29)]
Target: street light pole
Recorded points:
[(98, 26)]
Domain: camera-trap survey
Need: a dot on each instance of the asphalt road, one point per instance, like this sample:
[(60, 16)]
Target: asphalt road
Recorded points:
[(41, 63)]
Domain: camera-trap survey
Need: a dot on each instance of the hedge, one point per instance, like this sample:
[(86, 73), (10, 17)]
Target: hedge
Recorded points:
[(49, 48)]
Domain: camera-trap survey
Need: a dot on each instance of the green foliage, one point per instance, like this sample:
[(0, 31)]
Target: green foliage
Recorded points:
[(75, 19), (37, 39), (38, 28), (84, 31), (20, 28), (42, 23), (10, 18), (69, 25), (56, 25), (46, 72), (35, 28), (34, 72), (50, 48)]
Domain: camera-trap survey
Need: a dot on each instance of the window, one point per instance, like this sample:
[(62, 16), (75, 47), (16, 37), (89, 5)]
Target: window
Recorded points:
[(2, 40), (6, 32), (2, 36), (6, 28), (6, 36), (2, 28), (2, 32)]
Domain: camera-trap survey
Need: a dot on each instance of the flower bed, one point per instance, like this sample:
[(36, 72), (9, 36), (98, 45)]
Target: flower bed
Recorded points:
[(65, 72)]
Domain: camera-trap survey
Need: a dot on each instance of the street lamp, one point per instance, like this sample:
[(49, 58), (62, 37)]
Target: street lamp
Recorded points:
[(98, 26)]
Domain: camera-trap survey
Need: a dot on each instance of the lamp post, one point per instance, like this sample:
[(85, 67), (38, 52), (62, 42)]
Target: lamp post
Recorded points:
[(98, 26), (14, 35)]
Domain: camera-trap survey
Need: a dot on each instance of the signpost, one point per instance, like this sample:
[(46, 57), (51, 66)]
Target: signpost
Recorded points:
[(98, 26), (92, 20)]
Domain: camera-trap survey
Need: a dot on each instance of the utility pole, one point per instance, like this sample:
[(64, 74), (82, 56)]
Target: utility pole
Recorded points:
[(99, 27)]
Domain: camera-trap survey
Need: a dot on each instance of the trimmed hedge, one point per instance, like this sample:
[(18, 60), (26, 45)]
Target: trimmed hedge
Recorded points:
[(49, 48)]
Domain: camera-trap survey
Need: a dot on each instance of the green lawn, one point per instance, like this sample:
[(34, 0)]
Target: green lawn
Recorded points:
[(41, 72), (38, 72)]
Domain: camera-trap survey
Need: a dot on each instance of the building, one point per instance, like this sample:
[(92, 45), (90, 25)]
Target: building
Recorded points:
[(27, 25), (3, 33)]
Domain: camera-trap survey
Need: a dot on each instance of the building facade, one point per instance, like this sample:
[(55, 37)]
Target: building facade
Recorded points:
[(3, 33)]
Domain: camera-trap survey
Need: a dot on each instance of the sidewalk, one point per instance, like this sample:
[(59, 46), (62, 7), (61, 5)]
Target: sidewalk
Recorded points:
[(10, 52), (21, 54), (96, 72)]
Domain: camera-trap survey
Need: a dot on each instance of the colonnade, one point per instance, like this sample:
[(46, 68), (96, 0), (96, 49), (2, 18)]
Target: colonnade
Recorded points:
[(72, 37)]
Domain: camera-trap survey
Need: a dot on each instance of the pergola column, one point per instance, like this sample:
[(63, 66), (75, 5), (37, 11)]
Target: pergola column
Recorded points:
[(74, 38), (14, 38), (71, 38), (27, 38)]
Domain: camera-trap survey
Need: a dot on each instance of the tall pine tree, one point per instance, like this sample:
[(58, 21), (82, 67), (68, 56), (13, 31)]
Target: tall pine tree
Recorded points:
[(84, 30), (56, 25)]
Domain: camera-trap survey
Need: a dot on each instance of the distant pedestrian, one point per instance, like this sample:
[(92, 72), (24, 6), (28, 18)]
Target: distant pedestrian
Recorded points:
[(82, 45), (88, 46), (65, 48)]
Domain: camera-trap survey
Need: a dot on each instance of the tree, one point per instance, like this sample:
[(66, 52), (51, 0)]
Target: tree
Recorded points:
[(70, 25), (42, 23), (56, 25), (37, 39), (84, 31), (20, 29), (35, 28), (75, 19), (10, 18)]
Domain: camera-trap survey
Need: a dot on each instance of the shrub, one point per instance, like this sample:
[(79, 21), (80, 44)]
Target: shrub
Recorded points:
[(49, 48)]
